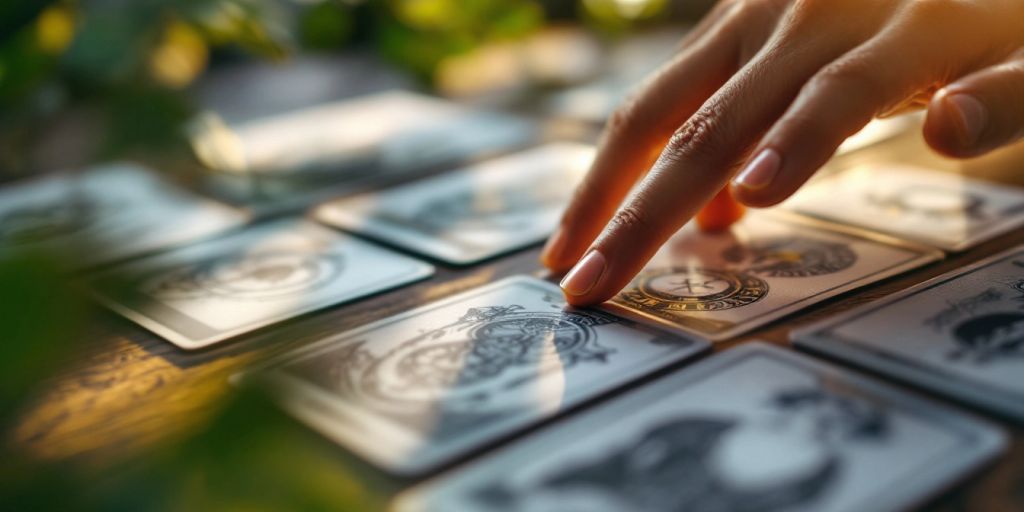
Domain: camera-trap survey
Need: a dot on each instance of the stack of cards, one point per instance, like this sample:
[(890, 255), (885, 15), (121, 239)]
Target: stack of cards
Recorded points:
[(720, 285), (753, 429), (421, 389), (119, 210), (475, 213), (961, 334), (941, 209), (201, 294), (381, 133)]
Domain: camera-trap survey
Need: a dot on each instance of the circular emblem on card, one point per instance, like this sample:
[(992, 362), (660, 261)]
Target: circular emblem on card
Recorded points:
[(265, 275), (934, 202), (791, 257), (695, 289), (41, 223)]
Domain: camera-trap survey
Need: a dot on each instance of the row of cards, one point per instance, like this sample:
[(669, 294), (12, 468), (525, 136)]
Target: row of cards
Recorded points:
[(754, 428), (714, 286)]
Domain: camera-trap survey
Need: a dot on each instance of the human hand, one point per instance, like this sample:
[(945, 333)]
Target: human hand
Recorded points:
[(776, 86)]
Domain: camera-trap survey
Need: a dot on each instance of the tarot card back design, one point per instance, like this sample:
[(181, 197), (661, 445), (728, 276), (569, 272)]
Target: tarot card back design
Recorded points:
[(720, 285), (961, 334), (465, 216), (753, 429), (388, 132), (212, 291), (117, 210), (940, 209), (421, 389)]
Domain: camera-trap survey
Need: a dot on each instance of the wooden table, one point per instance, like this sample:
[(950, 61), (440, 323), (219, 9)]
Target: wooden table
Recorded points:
[(135, 390)]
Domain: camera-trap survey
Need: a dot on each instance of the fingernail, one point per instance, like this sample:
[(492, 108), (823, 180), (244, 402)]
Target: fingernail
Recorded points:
[(554, 247), (973, 116), (582, 278), (760, 172)]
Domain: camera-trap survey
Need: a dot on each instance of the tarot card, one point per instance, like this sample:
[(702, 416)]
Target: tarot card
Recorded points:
[(376, 134), (756, 428), (944, 210), (421, 389), (115, 211), (472, 214), (960, 334), (721, 285), (205, 293)]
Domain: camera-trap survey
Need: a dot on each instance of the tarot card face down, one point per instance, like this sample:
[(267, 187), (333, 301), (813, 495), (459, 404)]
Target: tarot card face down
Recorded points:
[(720, 285), (117, 210), (198, 295), (961, 334), (381, 133), (753, 429), (418, 390), (472, 214), (940, 209)]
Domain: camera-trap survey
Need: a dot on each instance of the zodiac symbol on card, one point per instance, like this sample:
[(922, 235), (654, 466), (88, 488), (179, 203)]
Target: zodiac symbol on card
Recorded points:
[(487, 351), (990, 337), (252, 276), (791, 257), (694, 289), (707, 462), (41, 223), (929, 201)]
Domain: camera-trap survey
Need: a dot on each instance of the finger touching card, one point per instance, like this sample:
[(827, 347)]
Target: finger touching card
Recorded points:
[(209, 292), (421, 389), (721, 285)]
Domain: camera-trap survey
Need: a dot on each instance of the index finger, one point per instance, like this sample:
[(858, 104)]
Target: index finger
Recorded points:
[(696, 164), (634, 137)]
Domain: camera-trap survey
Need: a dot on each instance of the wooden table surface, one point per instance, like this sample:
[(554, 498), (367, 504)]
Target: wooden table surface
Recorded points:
[(135, 389)]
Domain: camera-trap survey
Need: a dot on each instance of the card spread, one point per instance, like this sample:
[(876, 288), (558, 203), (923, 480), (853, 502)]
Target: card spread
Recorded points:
[(755, 428), (205, 293), (960, 334), (421, 389), (388, 131), (471, 214), (721, 285), (116, 211), (940, 209)]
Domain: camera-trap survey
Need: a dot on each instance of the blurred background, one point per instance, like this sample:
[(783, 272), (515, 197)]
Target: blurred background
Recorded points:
[(155, 81)]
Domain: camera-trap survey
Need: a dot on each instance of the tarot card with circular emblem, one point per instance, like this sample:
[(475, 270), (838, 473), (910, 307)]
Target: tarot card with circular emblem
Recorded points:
[(425, 388), (941, 209), (769, 265), (209, 292)]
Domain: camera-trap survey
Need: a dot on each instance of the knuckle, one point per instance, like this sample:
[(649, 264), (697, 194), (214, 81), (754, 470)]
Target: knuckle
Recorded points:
[(700, 135), (624, 117), (848, 75), (631, 218)]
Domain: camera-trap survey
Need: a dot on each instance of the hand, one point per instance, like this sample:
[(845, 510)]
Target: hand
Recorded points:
[(776, 86)]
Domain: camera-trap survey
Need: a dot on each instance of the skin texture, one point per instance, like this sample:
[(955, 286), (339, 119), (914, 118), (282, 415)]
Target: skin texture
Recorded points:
[(776, 86)]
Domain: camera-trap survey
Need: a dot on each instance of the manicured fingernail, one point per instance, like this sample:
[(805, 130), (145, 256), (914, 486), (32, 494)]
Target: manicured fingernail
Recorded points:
[(582, 278), (554, 247), (973, 116), (760, 172)]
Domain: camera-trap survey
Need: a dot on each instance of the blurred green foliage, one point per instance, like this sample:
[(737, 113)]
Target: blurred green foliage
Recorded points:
[(124, 66), (419, 34)]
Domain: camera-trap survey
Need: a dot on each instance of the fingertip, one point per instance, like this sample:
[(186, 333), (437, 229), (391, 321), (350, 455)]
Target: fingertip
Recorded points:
[(954, 123)]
